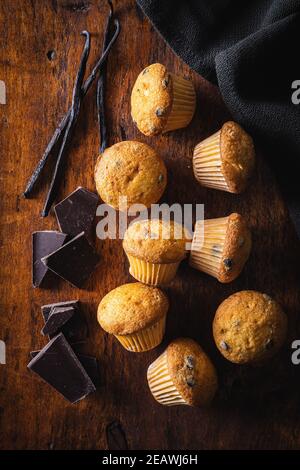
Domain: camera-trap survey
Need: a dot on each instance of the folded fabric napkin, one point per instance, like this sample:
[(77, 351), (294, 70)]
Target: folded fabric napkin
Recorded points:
[(251, 50)]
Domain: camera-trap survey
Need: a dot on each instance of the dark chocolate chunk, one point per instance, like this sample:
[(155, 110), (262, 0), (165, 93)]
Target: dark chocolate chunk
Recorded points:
[(57, 318), (190, 381), (189, 361), (74, 261), (89, 363), (76, 213), (74, 329), (43, 243), (58, 365)]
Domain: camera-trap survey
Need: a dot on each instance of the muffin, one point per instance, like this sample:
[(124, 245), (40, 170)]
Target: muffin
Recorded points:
[(221, 247), (135, 314), (225, 160), (154, 249), (249, 327), (183, 375), (132, 170), (161, 101)]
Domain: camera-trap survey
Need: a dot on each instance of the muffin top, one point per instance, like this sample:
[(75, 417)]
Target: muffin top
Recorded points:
[(156, 241), (131, 307), (151, 99), (130, 169), (236, 249), (249, 327), (192, 372), (238, 156)]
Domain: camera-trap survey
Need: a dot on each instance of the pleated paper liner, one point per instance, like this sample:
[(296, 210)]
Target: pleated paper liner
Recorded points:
[(184, 104), (146, 339), (153, 274), (208, 245), (207, 163), (161, 384)]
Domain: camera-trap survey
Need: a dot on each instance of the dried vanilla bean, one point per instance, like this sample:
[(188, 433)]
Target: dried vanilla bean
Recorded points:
[(76, 104), (63, 124)]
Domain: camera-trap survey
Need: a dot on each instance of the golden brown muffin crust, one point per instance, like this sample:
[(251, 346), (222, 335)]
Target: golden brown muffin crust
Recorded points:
[(249, 327), (192, 372), (131, 307), (237, 155), (151, 99), (130, 169), (155, 241), (236, 250)]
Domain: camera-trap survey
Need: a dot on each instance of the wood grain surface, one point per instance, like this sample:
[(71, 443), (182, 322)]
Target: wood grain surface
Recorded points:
[(256, 407)]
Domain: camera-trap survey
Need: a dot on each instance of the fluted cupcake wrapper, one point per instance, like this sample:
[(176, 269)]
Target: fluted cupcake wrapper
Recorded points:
[(161, 384), (207, 163), (184, 104), (146, 339), (153, 274), (208, 245)]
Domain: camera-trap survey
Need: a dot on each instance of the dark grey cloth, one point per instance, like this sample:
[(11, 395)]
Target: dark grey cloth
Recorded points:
[(249, 49)]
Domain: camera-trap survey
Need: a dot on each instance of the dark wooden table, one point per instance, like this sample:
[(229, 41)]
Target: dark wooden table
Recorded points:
[(256, 408)]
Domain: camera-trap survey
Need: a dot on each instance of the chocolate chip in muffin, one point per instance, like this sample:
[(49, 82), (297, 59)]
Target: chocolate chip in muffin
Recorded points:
[(144, 71), (224, 345), (267, 297), (160, 178), (160, 112), (228, 263), (189, 361)]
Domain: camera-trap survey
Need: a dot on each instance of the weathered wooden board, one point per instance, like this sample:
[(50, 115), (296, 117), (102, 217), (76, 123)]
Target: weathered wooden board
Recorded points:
[(256, 407)]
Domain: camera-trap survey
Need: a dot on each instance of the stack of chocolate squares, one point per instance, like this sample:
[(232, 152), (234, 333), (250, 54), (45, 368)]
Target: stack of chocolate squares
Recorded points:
[(73, 375), (67, 253)]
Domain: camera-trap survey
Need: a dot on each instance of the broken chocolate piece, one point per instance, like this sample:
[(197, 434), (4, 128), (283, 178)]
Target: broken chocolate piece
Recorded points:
[(74, 261), (43, 243), (89, 363), (76, 213), (75, 329), (58, 365), (57, 318)]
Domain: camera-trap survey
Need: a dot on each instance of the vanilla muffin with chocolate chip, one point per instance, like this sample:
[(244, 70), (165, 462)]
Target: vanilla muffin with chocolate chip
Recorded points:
[(132, 170), (183, 375), (225, 160), (154, 249), (161, 101), (221, 247), (135, 314), (249, 327)]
